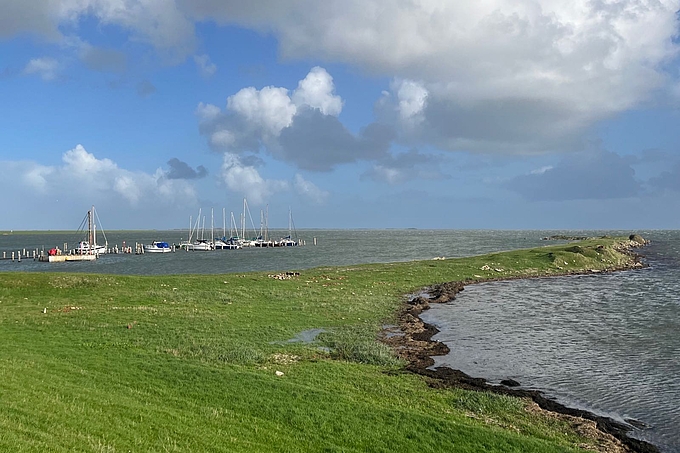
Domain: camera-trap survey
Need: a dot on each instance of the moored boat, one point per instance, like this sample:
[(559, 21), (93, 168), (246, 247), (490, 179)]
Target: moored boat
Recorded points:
[(157, 247), (202, 245), (227, 244)]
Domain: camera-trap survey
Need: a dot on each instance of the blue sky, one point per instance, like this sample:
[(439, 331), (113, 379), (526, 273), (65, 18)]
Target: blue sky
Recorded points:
[(374, 114)]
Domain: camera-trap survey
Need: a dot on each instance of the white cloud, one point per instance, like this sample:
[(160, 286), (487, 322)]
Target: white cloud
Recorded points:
[(521, 76), (37, 177), (302, 129), (85, 165), (207, 111), (222, 139), (412, 97), (205, 66), (45, 67), (309, 190), (386, 174), (83, 176), (245, 179), (269, 109), (540, 171), (316, 91)]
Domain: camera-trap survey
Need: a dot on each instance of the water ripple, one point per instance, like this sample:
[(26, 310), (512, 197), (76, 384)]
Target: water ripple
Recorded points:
[(607, 343)]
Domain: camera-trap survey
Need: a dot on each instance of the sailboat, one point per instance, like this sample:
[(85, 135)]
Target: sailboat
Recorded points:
[(89, 246), (196, 244), (232, 243), (288, 241)]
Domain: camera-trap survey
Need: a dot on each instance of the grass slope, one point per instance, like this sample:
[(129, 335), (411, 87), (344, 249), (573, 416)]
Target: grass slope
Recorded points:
[(188, 363)]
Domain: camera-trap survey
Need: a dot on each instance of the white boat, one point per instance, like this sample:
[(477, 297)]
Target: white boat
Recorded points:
[(288, 241), (227, 244), (202, 245), (157, 247), (85, 248), (89, 246)]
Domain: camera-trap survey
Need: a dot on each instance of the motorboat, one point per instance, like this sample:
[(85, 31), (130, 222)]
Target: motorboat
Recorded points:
[(157, 247)]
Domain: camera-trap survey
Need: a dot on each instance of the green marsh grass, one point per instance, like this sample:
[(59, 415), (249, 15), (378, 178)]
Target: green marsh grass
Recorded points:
[(204, 362)]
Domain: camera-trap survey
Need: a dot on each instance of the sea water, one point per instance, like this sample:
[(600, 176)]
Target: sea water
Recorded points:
[(606, 343)]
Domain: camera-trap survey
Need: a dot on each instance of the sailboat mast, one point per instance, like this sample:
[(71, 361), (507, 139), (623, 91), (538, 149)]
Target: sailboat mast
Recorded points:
[(243, 220), (224, 223), (90, 221)]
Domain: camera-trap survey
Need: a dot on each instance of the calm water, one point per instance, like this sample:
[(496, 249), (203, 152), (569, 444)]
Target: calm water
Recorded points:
[(606, 343)]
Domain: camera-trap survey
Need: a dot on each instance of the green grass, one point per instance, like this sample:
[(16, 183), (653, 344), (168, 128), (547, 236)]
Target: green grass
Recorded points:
[(188, 363)]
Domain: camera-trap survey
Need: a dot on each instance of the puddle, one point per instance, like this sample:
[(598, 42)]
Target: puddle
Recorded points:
[(305, 337)]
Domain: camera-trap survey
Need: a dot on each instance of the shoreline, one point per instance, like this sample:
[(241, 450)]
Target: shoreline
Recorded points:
[(412, 341)]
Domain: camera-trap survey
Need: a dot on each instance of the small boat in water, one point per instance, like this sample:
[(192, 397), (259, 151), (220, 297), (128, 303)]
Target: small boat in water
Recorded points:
[(85, 248), (202, 245), (89, 245), (157, 247), (227, 244)]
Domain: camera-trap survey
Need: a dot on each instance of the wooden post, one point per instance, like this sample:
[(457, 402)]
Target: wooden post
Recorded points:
[(19, 253), (314, 241), (12, 256)]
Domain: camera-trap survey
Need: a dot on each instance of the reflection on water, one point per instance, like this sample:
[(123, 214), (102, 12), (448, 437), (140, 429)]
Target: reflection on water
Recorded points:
[(606, 343)]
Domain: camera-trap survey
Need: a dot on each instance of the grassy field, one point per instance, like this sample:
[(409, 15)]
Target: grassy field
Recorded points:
[(205, 363)]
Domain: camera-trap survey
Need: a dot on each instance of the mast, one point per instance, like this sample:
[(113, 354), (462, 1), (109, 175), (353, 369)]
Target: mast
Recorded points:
[(224, 223), (212, 224), (266, 222), (90, 238), (243, 219)]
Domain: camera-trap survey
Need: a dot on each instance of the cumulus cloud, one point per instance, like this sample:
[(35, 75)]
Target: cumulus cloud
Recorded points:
[(319, 142), (525, 76), (522, 77), (585, 176), (161, 24), (316, 91), (46, 67), (207, 112), (182, 170), (268, 110), (301, 128), (246, 180), (309, 190), (84, 179), (205, 67)]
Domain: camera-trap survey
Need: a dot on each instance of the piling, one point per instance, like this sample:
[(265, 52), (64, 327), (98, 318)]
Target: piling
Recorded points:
[(314, 241), (12, 256), (19, 253)]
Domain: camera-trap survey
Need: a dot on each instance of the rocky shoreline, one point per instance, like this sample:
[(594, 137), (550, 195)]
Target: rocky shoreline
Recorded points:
[(412, 341)]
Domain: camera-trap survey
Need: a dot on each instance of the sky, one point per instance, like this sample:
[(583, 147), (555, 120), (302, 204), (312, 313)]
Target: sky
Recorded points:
[(469, 114)]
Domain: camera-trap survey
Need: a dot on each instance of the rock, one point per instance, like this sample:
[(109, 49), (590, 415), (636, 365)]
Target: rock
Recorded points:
[(279, 373), (637, 238), (510, 383)]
